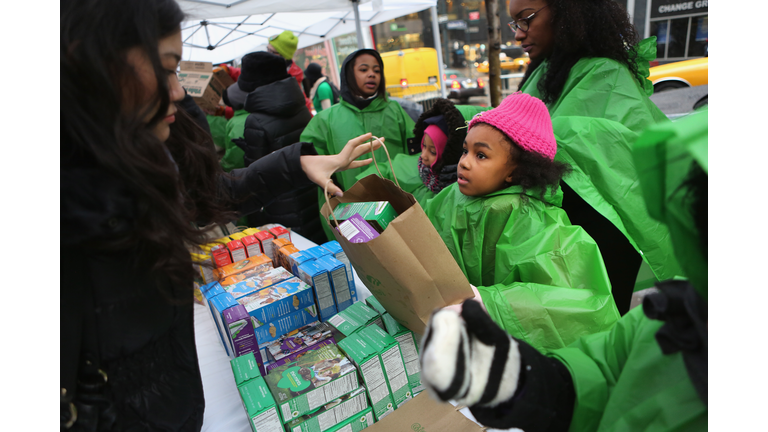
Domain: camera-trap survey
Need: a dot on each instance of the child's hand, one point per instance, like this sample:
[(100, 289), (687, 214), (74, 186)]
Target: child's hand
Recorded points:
[(320, 168), (458, 307)]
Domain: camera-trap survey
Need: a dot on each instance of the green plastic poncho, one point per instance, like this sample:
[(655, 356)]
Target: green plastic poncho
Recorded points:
[(599, 115), (233, 155), (541, 279), (623, 381), (331, 129), (218, 125), (407, 166)]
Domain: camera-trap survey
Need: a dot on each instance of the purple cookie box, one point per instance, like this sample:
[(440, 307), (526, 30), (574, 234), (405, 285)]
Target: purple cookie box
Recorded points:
[(293, 356), (361, 230)]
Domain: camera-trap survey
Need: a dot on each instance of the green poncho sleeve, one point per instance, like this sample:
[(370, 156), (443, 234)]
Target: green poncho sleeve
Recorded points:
[(541, 279), (598, 117), (624, 382), (233, 155)]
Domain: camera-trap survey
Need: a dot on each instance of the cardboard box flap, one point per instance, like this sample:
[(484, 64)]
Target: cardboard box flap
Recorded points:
[(424, 414)]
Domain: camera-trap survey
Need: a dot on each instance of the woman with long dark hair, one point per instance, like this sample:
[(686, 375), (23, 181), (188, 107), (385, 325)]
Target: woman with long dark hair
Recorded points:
[(589, 67), (137, 174)]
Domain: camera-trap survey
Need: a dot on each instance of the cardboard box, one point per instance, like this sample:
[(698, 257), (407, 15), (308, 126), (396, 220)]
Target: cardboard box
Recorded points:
[(238, 236), (297, 355), (298, 340), (240, 331), (370, 316), (392, 359), (348, 321), (260, 406), (269, 331), (312, 381), (356, 423), (374, 304), (252, 246), (283, 253), (221, 256), (219, 304), (317, 252), (265, 239), (278, 300), (332, 414), (335, 248), (368, 362), (319, 278), (296, 259), (256, 282), (246, 268), (236, 250), (251, 231), (377, 213), (357, 230), (424, 414), (339, 282), (205, 266), (246, 368), (409, 347), (210, 291), (280, 232), (203, 84)]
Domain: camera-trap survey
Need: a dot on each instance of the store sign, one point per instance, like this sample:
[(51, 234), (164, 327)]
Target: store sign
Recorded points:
[(473, 30), (456, 25), (442, 18), (474, 15), (672, 8)]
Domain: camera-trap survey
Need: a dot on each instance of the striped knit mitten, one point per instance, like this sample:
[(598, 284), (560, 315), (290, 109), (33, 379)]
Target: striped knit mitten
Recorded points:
[(505, 382)]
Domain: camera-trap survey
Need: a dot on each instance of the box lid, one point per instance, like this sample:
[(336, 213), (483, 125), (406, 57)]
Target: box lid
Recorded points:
[(256, 396), (244, 368)]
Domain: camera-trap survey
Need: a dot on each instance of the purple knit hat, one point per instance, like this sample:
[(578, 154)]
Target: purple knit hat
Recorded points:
[(525, 120)]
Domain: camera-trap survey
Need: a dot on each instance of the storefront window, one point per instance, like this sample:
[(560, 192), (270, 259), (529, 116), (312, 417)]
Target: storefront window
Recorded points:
[(698, 39), (678, 37), (659, 29)]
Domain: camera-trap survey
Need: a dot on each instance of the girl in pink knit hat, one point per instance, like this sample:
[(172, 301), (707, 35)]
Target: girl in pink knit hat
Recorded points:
[(539, 277)]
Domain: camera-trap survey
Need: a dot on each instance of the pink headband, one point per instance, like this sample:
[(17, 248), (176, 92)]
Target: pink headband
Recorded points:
[(438, 138)]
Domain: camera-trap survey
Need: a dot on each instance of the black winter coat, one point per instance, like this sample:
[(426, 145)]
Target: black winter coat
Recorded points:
[(146, 344), (277, 117)]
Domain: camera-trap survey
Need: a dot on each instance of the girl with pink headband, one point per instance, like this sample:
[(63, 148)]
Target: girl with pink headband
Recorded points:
[(539, 277)]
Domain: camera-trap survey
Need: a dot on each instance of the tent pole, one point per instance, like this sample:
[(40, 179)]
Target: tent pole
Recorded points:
[(360, 43), (439, 49)]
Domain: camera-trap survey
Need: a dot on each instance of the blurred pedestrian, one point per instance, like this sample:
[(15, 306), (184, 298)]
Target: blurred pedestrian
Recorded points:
[(322, 92), (273, 116), (590, 70), (364, 106), (284, 44), (137, 174)]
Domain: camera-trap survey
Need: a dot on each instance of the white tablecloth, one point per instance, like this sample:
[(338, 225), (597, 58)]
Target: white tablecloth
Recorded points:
[(223, 408)]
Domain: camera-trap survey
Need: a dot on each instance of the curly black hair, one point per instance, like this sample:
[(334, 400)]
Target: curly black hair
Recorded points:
[(534, 171), (457, 131), (585, 28)]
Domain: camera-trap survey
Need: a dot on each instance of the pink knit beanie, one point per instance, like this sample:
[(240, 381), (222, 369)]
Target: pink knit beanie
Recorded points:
[(525, 120)]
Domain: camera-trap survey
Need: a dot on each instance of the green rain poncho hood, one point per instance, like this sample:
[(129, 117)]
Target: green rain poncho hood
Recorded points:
[(598, 116), (406, 166), (541, 279)]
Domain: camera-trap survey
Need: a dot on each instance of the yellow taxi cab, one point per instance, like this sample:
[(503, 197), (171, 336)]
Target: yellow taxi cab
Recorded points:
[(507, 65), (686, 73)]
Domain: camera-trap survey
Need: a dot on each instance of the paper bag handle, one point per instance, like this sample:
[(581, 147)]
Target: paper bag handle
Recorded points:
[(373, 155), (327, 201)]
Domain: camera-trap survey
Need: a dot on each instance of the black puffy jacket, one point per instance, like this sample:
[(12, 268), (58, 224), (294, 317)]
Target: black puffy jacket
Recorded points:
[(277, 117), (146, 344)]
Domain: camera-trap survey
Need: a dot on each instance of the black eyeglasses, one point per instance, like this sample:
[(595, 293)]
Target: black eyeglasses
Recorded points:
[(523, 23)]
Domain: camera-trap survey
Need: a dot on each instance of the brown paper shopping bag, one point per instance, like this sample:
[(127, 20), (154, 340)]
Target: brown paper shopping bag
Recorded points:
[(423, 414), (407, 268)]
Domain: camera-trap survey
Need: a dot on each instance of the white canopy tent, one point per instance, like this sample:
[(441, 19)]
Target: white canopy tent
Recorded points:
[(219, 33)]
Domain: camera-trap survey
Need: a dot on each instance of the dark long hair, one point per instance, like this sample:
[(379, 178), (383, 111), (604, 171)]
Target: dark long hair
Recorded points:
[(585, 28), (98, 131)]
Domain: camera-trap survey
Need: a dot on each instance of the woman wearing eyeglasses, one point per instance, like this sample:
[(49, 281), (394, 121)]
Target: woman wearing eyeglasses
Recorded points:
[(590, 70)]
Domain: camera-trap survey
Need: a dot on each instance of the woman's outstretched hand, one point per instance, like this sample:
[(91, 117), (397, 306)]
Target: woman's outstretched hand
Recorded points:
[(320, 168)]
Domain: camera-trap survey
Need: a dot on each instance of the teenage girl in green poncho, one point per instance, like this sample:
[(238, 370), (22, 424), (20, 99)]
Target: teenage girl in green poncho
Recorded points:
[(589, 69), (540, 278)]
